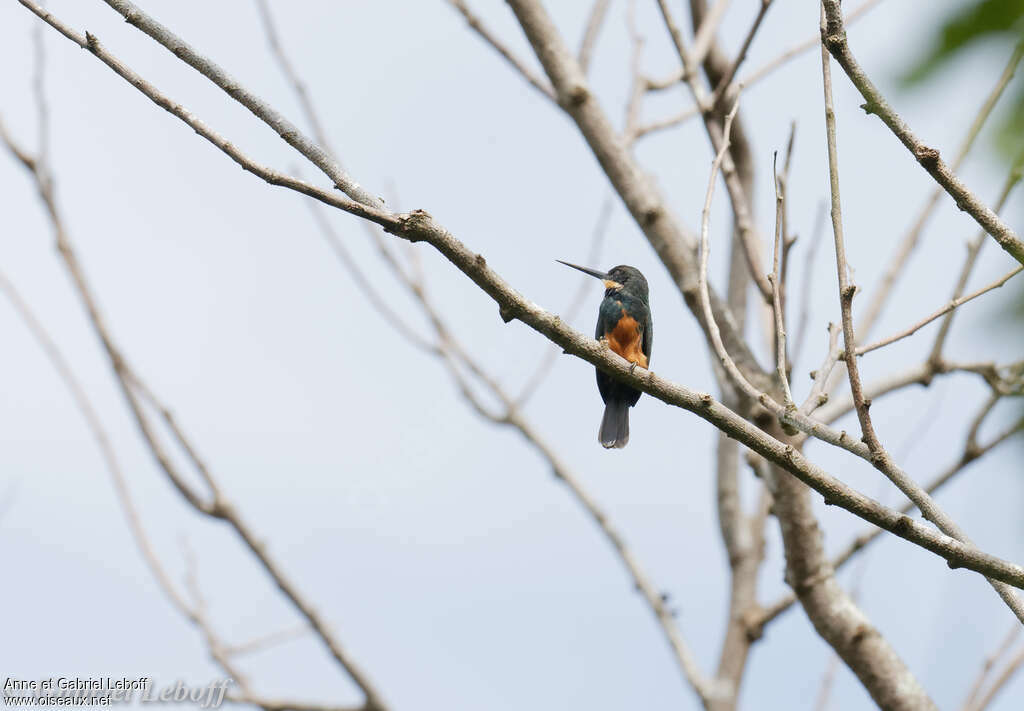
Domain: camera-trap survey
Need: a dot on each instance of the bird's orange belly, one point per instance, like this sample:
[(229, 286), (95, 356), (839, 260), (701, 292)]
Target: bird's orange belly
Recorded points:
[(626, 339)]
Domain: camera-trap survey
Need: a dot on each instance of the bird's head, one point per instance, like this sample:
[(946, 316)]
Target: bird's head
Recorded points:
[(622, 278)]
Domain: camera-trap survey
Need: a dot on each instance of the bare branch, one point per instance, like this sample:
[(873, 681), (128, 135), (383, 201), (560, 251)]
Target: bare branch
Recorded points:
[(99, 433), (419, 226), (726, 81), (453, 355), (913, 236), (595, 21), (818, 395), (973, 249), (834, 40), (986, 667), (298, 86), (829, 677), (861, 350), (375, 299), (214, 505), (263, 642), (742, 214), (636, 90), (777, 310), (747, 81), (880, 458), (1004, 676), (477, 25), (317, 155), (808, 278), (918, 375), (972, 451), (704, 37), (674, 245)]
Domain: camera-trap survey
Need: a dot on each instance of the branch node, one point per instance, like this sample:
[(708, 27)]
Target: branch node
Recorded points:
[(971, 452), (577, 95), (927, 157), (861, 633), (833, 41), (506, 313), (412, 225), (869, 108), (902, 526)]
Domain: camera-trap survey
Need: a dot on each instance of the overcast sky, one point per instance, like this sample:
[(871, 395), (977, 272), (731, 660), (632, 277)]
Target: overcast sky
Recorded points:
[(452, 565)]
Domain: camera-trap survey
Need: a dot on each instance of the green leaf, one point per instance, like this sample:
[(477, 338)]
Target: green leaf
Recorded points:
[(994, 19)]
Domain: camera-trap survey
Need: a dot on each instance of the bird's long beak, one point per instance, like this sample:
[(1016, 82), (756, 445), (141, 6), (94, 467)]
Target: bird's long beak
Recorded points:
[(609, 283)]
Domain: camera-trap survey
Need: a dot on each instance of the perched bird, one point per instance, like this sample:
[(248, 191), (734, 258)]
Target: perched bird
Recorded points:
[(624, 322)]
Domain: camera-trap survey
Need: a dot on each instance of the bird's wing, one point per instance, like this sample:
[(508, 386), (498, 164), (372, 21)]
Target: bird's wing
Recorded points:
[(648, 336)]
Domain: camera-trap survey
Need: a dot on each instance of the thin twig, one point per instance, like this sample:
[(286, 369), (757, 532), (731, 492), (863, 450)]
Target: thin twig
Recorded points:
[(1002, 679), (266, 641), (725, 82), (778, 311), (986, 667), (818, 395), (749, 80), (477, 25), (99, 433), (704, 36), (636, 89), (861, 350), (742, 214), (817, 233), (918, 375), (973, 250), (595, 21)]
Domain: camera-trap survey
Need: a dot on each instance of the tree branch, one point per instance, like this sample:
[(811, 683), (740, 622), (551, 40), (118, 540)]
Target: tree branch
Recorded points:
[(880, 458), (913, 237), (420, 226), (477, 25), (738, 197), (595, 21), (959, 301), (215, 504), (834, 39)]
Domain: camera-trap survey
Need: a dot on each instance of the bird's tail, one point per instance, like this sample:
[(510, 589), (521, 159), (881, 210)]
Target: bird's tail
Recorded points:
[(614, 432)]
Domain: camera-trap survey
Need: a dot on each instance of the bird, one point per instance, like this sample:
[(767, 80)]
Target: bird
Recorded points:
[(623, 322)]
